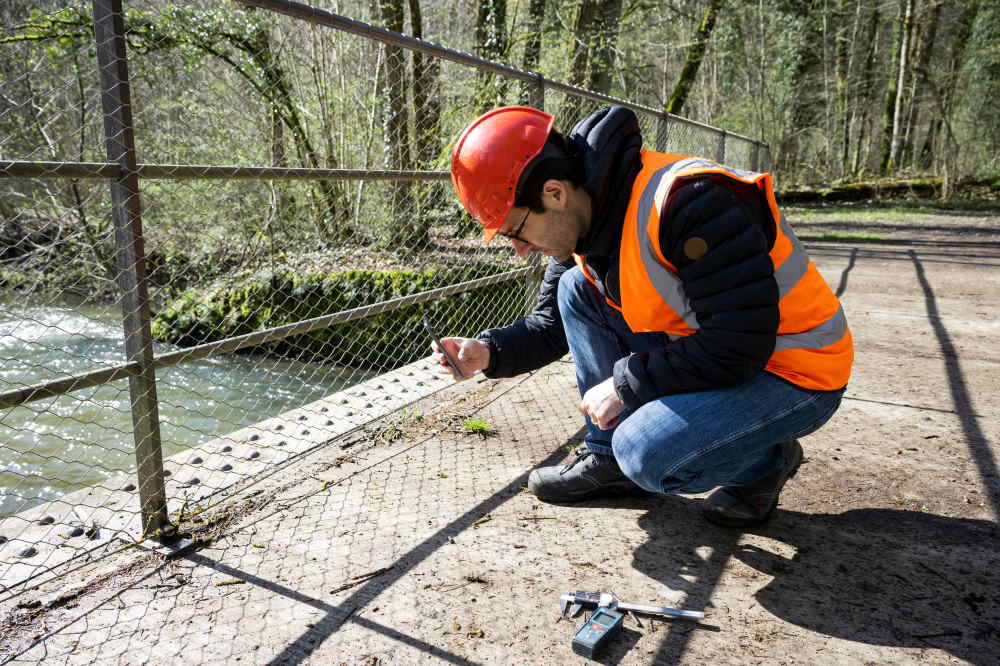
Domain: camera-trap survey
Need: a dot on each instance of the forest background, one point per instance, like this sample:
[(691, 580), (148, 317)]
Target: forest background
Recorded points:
[(842, 90)]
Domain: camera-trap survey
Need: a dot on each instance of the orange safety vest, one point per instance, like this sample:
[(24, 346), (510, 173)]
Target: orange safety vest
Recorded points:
[(813, 348)]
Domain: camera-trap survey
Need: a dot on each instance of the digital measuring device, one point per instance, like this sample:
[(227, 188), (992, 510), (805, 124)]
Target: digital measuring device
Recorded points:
[(604, 624), (606, 621)]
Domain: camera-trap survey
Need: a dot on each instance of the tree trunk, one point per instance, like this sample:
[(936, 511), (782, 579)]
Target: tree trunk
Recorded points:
[(426, 101), (944, 93), (843, 75), (572, 107), (892, 88), (948, 142), (695, 54), (863, 132), (602, 60), (532, 45), (402, 227), (902, 74), (805, 106), (491, 44), (427, 128), (592, 61), (921, 79)]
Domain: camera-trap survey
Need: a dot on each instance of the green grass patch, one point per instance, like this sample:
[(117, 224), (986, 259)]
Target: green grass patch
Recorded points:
[(856, 214), (897, 210), (479, 427), (841, 237)]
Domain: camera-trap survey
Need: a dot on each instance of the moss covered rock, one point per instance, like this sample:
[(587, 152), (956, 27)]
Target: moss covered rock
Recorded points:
[(379, 341)]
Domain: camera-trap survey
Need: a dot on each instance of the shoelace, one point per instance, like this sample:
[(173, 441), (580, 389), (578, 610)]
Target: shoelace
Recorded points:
[(580, 455)]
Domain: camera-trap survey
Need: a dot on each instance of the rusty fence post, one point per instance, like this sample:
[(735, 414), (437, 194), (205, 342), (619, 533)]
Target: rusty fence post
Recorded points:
[(109, 34)]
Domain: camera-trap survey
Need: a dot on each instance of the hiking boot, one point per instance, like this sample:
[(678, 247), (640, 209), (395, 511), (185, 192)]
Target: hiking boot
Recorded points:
[(742, 506), (588, 475)]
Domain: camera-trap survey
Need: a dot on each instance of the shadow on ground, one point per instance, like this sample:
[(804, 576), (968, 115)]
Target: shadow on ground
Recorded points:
[(878, 576)]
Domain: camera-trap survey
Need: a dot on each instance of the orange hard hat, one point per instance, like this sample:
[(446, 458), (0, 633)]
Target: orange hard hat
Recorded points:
[(489, 158)]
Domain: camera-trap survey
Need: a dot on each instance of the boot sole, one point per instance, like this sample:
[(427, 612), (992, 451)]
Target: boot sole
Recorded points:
[(594, 494)]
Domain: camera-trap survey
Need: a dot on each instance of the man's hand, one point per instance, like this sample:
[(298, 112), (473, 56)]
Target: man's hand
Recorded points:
[(602, 404), (470, 354)]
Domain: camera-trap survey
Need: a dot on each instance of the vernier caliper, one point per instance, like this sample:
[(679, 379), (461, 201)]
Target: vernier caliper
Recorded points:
[(575, 602)]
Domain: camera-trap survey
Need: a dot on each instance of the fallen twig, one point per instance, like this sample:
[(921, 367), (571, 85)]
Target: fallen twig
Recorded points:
[(234, 581), (360, 578), (482, 520)]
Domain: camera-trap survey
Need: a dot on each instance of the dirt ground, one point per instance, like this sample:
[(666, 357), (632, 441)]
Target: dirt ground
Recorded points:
[(416, 543)]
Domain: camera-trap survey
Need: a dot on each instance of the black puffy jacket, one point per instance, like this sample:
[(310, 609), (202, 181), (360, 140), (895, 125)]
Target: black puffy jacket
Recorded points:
[(731, 289)]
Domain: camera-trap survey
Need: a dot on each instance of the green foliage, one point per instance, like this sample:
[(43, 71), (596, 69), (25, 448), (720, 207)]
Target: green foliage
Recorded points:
[(11, 280), (984, 69), (379, 341), (479, 427)]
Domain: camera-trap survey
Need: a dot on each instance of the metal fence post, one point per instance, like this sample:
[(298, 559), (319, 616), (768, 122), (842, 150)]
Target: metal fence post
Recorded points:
[(720, 151), (662, 128), (755, 157), (766, 162), (536, 93), (116, 99)]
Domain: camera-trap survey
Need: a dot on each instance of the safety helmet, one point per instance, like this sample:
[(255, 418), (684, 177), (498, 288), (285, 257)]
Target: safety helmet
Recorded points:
[(489, 158)]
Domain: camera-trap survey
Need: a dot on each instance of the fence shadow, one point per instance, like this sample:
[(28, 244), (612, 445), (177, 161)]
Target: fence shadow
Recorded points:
[(842, 287), (961, 396), (335, 616)]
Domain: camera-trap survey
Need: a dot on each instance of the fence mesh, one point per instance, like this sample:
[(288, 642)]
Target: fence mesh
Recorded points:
[(227, 252)]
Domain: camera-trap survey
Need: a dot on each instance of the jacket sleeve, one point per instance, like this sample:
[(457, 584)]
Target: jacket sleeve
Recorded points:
[(731, 288), (535, 340)]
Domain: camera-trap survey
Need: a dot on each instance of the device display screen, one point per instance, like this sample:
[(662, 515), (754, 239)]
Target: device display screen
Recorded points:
[(603, 618)]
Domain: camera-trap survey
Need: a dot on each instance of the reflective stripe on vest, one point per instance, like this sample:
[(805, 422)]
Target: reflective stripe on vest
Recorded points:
[(813, 346)]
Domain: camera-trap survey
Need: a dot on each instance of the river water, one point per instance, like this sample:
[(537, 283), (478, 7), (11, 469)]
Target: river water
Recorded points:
[(53, 446)]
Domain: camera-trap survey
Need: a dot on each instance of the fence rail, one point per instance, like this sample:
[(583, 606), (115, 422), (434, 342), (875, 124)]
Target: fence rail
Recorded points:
[(318, 251), (110, 171)]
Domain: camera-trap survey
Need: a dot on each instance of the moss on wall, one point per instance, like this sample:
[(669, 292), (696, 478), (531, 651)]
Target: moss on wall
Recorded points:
[(379, 341)]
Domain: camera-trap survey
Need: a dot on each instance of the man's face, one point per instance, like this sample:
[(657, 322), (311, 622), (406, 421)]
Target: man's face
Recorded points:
[(553, 233)]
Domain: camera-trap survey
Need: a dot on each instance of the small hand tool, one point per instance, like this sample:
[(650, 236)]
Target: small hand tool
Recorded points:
[(577, 601)]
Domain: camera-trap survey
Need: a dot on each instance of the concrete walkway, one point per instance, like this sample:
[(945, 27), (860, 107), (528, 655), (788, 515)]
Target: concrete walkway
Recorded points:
[(421, 547)]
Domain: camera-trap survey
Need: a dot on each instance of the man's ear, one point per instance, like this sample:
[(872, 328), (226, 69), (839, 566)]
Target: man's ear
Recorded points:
[(554, 194)]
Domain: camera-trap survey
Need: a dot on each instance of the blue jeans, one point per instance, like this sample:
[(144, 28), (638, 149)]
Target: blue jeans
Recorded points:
[(687, 442)]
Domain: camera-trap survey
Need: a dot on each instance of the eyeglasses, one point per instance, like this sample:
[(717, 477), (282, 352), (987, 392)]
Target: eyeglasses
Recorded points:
[(515, 235)]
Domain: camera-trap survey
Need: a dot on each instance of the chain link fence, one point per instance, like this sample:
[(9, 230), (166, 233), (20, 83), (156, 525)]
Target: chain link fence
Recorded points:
[(220, 224)]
